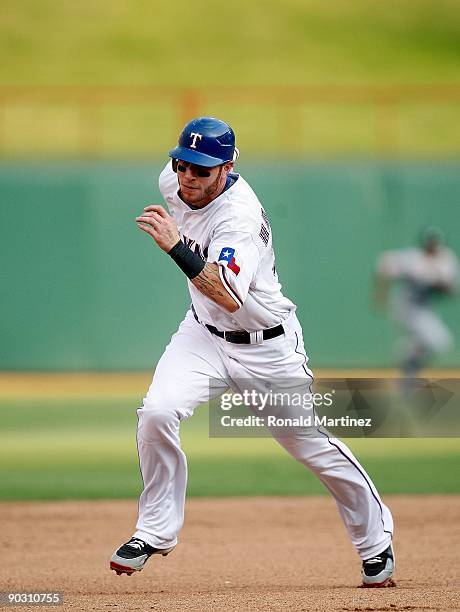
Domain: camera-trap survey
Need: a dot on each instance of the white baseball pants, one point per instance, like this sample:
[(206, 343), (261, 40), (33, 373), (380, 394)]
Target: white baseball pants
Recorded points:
[(426, 331), (192, 361)]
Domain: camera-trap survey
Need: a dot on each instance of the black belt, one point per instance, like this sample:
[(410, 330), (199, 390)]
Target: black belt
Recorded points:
[(244, 337)]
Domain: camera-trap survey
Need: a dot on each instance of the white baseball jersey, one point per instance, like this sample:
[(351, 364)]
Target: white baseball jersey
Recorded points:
[(233, 231)]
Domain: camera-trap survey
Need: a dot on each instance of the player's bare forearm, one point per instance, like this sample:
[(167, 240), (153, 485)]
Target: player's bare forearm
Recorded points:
[(156, 222), (209, 284)]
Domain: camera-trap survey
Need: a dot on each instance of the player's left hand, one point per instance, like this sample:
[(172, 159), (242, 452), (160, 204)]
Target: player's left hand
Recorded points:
[(156, 222)]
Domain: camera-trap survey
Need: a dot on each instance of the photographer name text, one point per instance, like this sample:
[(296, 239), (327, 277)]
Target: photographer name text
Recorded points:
[(302, 421)]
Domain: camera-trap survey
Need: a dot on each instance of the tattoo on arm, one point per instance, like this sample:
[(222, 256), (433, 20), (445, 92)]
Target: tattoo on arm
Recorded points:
[(209, 284)]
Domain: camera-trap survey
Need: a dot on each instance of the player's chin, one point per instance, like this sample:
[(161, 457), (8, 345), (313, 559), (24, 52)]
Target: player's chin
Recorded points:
[(191, 194)]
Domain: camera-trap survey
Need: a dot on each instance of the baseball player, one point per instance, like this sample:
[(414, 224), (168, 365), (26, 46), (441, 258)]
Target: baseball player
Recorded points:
[(424, 274), (240, 326)]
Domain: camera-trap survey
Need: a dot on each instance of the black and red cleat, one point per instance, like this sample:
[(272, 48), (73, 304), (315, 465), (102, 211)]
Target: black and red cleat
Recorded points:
[(378, 570), (133, 555)]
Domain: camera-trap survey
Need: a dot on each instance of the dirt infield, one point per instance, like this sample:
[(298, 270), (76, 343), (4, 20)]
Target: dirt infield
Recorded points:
[(115, 384), (234, 554)]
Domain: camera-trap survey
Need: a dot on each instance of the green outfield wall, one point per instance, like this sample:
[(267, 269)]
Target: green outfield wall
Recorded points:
[(83, 288)]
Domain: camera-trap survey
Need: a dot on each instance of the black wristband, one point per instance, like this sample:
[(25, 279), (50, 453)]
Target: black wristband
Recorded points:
[(190, 263)]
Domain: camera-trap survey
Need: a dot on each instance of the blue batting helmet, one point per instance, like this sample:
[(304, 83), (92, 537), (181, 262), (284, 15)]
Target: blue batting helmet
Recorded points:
[(205, 141)]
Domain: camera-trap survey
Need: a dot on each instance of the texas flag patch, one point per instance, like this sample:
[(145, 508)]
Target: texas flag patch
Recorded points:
[(228, 255)]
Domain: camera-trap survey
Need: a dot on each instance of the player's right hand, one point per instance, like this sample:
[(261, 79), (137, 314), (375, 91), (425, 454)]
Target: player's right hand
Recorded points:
[(156, 222)]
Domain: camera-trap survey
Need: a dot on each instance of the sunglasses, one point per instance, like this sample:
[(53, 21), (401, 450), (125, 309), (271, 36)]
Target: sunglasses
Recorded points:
[(181, 166)]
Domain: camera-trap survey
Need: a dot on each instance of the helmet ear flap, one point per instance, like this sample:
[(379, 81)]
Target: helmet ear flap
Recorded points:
[(174, 165)]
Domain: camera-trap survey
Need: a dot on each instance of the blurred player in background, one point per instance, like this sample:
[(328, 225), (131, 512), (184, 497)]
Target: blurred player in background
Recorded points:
[(424, 274)]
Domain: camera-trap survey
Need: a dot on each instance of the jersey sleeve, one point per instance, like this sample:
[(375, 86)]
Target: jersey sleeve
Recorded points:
[(450, 274), (238, 259), (167, 181), (391, 264)]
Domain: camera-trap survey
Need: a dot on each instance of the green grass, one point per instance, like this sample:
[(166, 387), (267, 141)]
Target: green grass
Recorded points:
[(209, 44), (86, 448)]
